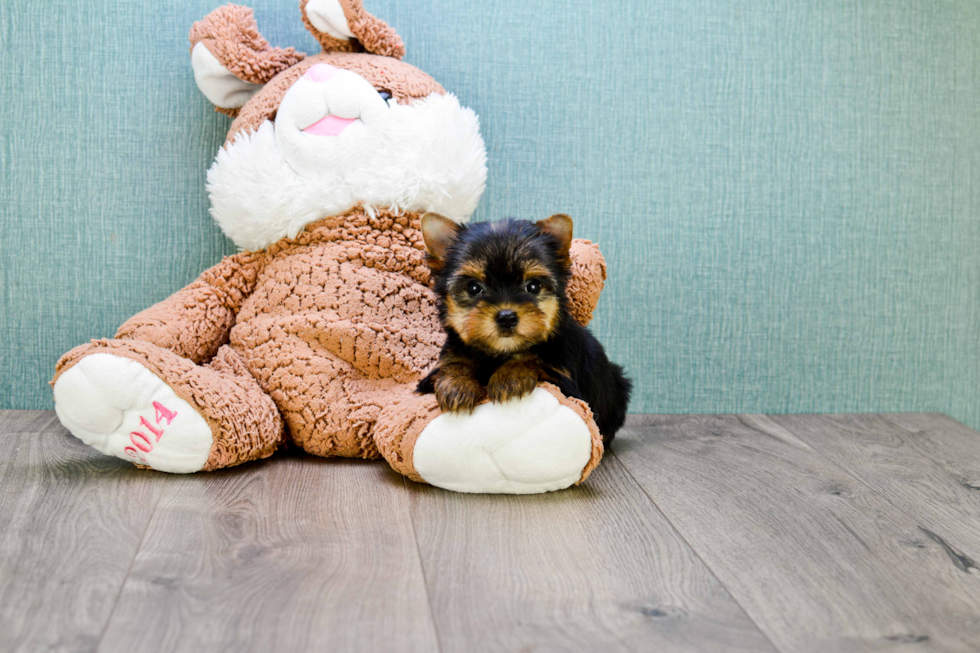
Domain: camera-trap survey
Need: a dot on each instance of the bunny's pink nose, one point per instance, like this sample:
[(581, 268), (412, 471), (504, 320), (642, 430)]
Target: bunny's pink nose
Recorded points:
[(321, 72)]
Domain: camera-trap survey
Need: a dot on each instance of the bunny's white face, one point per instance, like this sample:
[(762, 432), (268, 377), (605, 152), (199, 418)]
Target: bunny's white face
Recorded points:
[(331, 120), (333, 147)]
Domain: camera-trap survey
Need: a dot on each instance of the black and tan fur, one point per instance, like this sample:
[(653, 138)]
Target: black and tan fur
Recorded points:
[(501, 290)]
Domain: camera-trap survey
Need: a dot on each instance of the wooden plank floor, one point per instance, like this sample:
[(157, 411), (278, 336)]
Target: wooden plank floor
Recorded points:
[(697, 533)]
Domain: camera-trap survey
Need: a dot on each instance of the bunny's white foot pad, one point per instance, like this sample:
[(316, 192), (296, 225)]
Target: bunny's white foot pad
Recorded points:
[(524, 446), (119, 407)]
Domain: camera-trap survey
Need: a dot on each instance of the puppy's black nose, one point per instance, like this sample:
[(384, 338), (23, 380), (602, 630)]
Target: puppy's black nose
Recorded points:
[(507, 319)]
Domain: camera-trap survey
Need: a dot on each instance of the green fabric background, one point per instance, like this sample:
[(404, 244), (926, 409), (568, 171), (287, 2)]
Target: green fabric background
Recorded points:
[(787, 192)]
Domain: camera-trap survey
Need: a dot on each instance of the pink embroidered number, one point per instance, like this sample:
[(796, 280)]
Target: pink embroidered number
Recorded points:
[(156, 432), (164, 412), (141, 441), (144, 446)]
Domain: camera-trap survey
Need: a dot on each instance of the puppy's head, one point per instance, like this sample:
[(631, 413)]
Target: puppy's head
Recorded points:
[(501, 285)]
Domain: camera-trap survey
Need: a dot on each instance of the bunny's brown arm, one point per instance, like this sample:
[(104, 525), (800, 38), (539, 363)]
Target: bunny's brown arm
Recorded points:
[(196, 320), (588, 278)]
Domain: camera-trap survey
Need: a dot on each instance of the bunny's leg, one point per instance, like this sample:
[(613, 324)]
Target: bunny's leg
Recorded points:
[(147, 405), (540, 443)]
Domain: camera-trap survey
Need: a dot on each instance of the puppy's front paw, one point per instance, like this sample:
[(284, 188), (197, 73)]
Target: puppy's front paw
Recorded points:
[(513, 381), (457, 393)]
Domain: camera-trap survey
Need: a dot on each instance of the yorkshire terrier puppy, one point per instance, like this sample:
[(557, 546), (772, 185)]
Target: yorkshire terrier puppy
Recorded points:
[(501, 293)]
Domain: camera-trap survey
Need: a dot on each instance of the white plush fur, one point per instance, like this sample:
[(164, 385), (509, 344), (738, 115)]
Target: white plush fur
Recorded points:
[(271, 183), (328, 17), (219, 85), (523, 446), (101, 400)]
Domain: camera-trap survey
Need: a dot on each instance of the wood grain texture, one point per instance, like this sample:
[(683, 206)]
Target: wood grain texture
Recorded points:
[(592, 568), (72, 520), (291, 554), (817, 559), (926, 465), (738, 533)]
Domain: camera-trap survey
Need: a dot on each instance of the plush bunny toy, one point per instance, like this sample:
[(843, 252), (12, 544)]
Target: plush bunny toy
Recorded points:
[(316, 332)]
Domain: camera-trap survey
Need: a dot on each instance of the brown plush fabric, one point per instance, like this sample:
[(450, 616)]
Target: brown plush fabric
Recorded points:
[(588, 279), (327, 42), (231, 113), (405, 83), (371, 34), (399, 425), (232, 36), (339, 318), (195, 321), (375, 35)]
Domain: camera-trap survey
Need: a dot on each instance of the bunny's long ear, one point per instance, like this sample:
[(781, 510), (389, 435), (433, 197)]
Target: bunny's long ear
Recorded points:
[(344, 26), (231, 60)]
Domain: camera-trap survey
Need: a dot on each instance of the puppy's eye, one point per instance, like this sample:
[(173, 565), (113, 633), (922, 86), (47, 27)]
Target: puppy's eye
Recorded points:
[(533, 286), (385, 95), (473, 288)]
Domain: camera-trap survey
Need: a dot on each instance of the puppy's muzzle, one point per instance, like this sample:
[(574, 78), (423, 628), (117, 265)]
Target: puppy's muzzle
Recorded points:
[(506, 319)]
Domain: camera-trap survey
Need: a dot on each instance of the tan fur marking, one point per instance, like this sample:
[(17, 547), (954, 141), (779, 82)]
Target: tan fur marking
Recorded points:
[(474, 269), (456, 387), (534, 270), (549, 307), (478, 327), (552, 374), (515, 378), (456, 317)]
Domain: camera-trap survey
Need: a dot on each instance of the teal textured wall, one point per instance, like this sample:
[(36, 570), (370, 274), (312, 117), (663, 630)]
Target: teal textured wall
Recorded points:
[(788, 193)]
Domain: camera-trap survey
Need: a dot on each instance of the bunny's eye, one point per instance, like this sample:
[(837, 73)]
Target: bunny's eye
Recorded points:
[(385, 95)]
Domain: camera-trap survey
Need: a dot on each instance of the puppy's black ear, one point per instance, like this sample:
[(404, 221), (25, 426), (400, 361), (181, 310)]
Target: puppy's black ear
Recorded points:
[(438, 233), (559, 227)]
